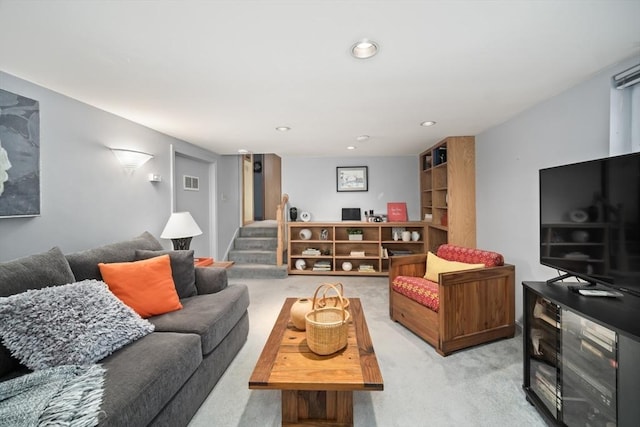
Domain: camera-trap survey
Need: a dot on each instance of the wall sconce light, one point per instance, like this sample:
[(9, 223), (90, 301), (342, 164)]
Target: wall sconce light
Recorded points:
[(131, 159), (180, 228)]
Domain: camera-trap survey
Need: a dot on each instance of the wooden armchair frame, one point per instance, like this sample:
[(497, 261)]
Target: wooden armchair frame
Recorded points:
[(476, 306)]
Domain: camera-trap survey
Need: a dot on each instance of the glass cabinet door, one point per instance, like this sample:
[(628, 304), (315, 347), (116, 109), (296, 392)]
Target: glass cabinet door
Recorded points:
[(588, 372), (544, 347)]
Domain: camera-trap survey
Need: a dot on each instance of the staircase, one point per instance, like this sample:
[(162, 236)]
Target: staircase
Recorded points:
[(254, 254)]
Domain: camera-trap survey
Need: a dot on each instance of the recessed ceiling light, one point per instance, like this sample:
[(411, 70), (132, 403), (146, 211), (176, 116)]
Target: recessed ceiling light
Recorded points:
[(283, 128), (362, 137), (364, 49), (427, 124), (243, 151), (351, 147)]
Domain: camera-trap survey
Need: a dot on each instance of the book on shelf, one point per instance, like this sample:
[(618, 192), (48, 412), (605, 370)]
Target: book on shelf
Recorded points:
[(311, 252), (322, 266), (367, 268), (357, 253), (397, 211), (384, 253)]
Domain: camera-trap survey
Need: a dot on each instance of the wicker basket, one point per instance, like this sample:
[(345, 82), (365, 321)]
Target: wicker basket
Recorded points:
[(327, 327), (332, 301)]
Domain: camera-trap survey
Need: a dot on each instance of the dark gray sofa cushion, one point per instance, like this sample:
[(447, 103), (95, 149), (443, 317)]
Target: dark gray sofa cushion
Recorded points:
[(84, 264), (34, 272), (182, 269), (143, 377), (210, 280), (211, 316)]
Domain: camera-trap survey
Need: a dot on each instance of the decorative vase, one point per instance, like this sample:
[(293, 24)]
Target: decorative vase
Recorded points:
[(415, 236), (299, 310), (305, 234), (293, 213), (347, 266), (406, 236), (301, 264)]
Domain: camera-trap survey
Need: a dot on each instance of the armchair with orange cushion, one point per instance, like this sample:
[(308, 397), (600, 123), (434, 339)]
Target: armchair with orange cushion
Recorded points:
[(460, 298)]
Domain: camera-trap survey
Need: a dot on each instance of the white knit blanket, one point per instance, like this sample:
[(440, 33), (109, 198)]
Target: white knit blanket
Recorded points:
[(61, 396)]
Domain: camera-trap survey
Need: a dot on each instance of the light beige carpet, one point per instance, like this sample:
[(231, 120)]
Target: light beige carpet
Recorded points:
[(481, 386)]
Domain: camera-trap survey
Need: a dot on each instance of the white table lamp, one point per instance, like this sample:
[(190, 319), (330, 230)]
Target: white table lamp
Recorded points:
[(180, 228)]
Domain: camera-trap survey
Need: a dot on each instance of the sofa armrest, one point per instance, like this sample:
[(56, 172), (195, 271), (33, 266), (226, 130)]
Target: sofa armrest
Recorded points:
[(476, 300), (407, 265), (210, 280), (506, 271)]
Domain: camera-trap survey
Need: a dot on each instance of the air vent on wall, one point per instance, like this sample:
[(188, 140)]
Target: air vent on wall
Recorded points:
[(191, 183), (627, 78)]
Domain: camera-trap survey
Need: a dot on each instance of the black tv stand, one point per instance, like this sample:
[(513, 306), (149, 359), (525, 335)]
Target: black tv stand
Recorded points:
[(581, 356), (587, 283)]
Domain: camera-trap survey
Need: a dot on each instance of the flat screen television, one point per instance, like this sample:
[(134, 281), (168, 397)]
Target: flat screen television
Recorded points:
[(590, 221)]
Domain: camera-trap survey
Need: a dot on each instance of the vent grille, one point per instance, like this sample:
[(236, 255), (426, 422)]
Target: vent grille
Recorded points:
[(191, 183), (627, 78)]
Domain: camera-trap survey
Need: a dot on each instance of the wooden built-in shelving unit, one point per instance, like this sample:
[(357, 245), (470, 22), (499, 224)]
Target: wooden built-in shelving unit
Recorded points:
[(337, 248), (448, 192)]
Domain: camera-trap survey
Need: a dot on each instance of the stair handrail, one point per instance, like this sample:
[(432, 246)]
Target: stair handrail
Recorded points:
[(281, 229)]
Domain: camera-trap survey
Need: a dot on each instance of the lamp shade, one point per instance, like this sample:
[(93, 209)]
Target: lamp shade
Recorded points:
[(180, 225), (131, 159)]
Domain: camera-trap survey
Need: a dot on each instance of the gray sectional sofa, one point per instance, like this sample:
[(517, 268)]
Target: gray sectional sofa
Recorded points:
[(162, 378)]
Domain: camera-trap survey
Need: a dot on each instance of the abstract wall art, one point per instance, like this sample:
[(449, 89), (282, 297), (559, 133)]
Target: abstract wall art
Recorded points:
[(19, 155)]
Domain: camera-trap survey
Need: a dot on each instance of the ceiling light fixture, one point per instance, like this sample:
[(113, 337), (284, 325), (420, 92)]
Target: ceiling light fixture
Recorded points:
[(362, 137), (243, 151), (283, 128), (364, 49), (351, 147), (427, 124)]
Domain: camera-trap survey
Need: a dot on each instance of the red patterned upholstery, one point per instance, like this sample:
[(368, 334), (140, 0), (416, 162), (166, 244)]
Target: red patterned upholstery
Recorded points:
[(421, 290), (470, 256), (425, 292)]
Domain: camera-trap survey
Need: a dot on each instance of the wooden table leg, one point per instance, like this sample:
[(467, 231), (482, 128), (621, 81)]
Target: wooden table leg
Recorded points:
[(332, 408)]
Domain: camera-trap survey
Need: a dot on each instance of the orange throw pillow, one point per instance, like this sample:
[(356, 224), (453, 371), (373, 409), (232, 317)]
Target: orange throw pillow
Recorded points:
[(146, 286)]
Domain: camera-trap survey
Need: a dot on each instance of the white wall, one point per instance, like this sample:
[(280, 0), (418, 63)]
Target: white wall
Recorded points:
[(310, 183), (571, 127), (87, 198), (229, 196)]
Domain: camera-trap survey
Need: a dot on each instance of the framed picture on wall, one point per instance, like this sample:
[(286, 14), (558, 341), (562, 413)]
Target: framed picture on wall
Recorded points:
[(19, 155), (352, 178)]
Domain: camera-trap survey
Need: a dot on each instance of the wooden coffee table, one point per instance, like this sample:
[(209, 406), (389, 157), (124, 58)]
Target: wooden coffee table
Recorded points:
[(317, 389)]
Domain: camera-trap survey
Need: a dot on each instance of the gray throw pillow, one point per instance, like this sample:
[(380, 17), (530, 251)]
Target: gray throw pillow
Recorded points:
[(84, 264), (75, 324), (34, 272), (182, 269)]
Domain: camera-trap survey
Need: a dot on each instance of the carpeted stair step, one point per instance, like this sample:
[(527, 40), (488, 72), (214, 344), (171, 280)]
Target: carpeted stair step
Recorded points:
[(252, 256), (257, 243), (257, 271), (258, 232)]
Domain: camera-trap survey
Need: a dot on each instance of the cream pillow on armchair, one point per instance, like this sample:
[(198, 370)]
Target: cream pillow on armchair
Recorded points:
[(437, 265)]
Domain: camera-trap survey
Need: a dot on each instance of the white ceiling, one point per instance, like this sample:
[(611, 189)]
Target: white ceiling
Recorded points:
[(224, 74)]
